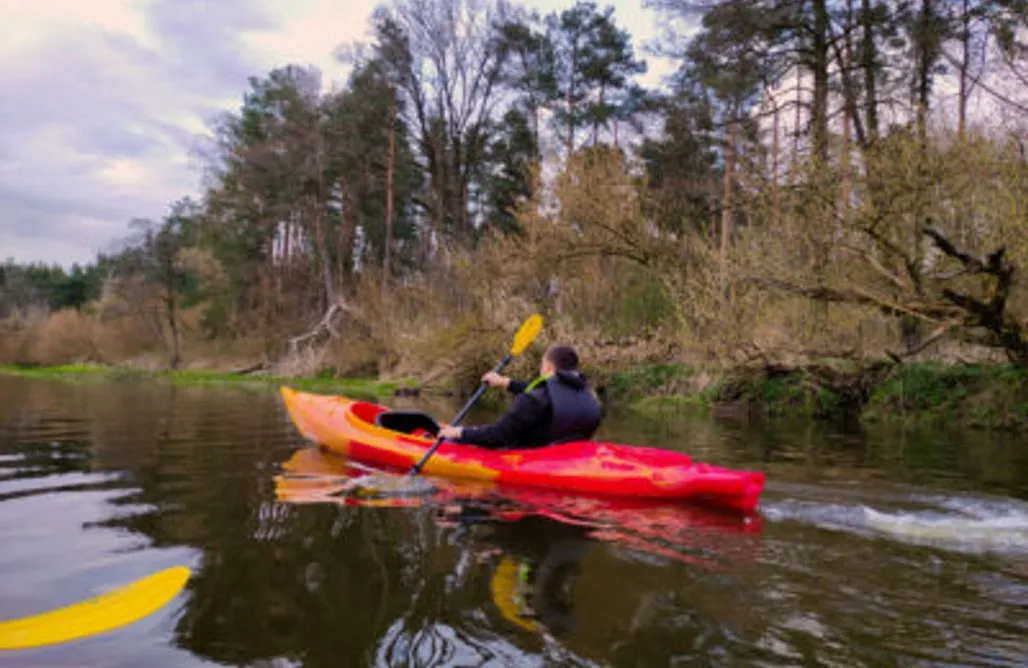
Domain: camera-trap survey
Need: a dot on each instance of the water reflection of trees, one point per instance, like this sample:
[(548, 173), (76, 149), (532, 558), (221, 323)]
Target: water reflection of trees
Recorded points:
[(802, 449), (327, 584)]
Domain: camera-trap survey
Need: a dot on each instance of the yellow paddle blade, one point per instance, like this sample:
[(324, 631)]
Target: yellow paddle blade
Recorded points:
[(529, 330), (96, 615)]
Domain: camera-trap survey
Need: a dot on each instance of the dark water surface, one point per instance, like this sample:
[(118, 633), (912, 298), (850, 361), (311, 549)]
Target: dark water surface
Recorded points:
[(869, 549)]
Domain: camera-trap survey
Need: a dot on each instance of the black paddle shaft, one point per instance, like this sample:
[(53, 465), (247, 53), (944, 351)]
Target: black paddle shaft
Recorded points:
[(461, 415)]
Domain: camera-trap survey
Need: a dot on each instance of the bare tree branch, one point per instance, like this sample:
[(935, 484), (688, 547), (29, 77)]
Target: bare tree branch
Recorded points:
[(977, 81)]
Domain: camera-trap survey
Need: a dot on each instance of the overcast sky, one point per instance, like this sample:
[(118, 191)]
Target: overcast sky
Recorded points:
[(101, 101)]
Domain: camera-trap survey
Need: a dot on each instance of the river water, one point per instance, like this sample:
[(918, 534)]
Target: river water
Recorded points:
[(881, 548)]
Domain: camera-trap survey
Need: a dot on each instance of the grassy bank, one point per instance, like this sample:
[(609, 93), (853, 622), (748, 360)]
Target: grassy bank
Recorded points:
[(971, 395), (352, 387)]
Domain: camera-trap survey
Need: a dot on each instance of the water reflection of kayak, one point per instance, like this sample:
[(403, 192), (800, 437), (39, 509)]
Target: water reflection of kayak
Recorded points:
[(533, 541), (368, 433), (686, 533), (533, 580)]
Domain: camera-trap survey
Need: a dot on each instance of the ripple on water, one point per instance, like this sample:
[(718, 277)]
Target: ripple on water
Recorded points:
[(102, 485), (931, 577), (973, 525)]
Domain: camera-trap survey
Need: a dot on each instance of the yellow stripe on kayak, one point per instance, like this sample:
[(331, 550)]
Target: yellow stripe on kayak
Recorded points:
[(96, 615)]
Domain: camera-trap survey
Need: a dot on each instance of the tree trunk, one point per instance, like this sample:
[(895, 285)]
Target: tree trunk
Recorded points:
[(437, 159), (927, 55), (868, 61), (347, 234), (390, 168), (845, 161), (326, 267), (460, 208), (535, 132), (727, 210), (965, 65), (570, 141), (173, 326), (911, 328), (283, 263), (846, 172), (776, 191), (819, 63), (798, 118)]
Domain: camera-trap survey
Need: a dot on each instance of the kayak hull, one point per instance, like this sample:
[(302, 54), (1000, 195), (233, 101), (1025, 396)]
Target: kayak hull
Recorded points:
[(348, 428), (686, 532)]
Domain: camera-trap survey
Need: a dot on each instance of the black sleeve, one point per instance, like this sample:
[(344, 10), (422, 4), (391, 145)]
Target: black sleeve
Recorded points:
[(511, 428), (517, 386)]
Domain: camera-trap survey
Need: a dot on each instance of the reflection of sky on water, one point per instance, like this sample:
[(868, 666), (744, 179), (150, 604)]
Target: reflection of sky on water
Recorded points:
[(102, 483)]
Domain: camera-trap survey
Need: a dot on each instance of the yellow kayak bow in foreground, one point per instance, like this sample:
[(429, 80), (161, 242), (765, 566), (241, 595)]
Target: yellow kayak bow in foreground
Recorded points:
[(106, 612)]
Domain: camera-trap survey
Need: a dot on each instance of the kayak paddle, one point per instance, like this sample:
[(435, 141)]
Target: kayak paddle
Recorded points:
[(526, 334), (106, 612)]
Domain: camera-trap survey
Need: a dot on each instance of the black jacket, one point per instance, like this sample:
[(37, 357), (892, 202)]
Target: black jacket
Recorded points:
[(560, 409)]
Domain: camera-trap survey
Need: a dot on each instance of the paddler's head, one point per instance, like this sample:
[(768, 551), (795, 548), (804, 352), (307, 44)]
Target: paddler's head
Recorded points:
[(558, 358)]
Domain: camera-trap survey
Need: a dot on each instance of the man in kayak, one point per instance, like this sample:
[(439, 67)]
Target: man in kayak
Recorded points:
[(555, 408)]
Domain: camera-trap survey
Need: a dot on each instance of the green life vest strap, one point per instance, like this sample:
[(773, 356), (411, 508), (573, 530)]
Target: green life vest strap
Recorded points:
[(536, 383)]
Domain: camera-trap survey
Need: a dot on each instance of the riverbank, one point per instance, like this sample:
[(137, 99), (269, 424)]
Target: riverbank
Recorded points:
[(363, 388), (987, 396)]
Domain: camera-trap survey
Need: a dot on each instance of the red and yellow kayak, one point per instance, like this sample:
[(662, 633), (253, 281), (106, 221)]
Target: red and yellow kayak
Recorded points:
[(688, 533), (348, 427)]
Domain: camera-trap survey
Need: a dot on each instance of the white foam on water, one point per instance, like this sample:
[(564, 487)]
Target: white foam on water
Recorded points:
[(958, 523), (980, 532)]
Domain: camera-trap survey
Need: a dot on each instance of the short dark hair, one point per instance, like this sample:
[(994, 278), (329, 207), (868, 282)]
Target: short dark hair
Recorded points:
[(563, 357)]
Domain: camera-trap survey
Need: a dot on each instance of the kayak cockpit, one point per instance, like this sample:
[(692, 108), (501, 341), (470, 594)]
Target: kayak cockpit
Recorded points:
[(408, 422)]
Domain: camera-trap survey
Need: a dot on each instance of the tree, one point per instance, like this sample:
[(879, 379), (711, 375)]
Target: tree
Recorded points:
[(37, 285), (371, 165), (609, 68), (593, 62), (153, 263), (926, 30), (165, 245), (683, 169), (448, 59), (726, 68), (531, 71), (513, 157), (973, 25), (268, 204)]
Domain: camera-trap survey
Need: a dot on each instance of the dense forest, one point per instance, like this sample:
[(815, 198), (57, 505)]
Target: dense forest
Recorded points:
[(818, 179)]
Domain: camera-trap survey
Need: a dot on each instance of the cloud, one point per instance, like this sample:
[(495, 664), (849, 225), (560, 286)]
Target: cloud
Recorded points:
[(99, 110), (103, 102)]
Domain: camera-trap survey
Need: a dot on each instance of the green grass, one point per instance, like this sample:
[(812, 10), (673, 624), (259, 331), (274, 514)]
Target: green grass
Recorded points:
[(978, 395), (355, 387), (648, 380), (659, 406), (984, 396)]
